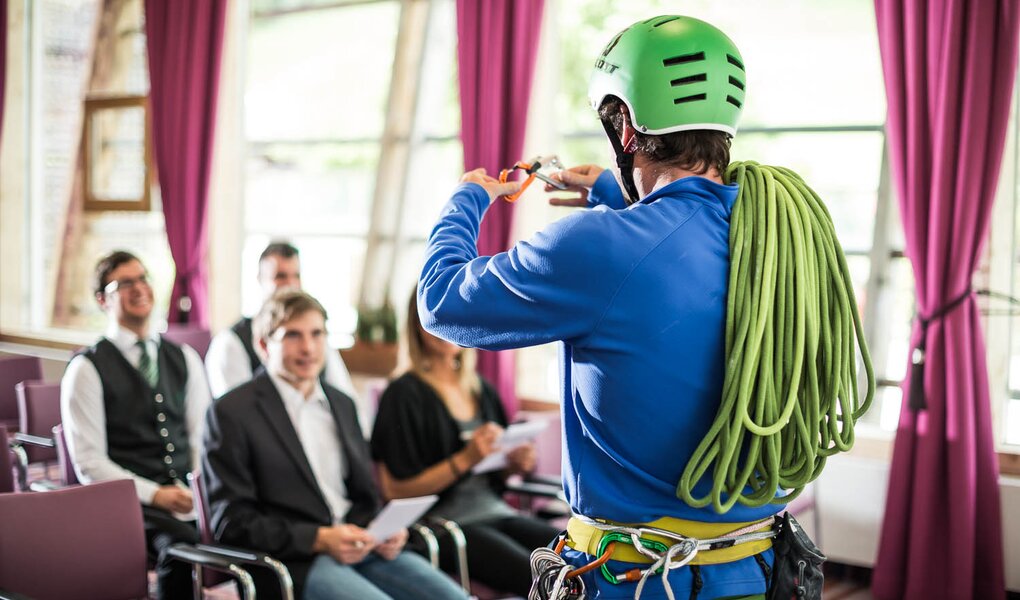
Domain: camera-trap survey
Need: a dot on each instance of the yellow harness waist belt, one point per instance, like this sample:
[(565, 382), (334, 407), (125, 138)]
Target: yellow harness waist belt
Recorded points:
[(587, 538)]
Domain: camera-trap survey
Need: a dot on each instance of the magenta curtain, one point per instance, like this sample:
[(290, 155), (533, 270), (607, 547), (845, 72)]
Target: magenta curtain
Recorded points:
[(496, 50), (185, 42), (949, 69)]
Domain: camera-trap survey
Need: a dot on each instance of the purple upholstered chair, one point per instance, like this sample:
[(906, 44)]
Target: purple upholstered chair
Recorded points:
[(195, 337), (39, 413), (211, 578), (86, 542), (6, 464), (12, 371), (81, 542), (67, 474)]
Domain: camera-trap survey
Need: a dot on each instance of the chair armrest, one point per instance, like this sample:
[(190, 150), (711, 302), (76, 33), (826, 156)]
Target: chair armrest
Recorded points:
[(459, 543), (45, 486), (542, 490), (35, 440), (20, 463), (431, 543), (549, 488), (258, 559), (201, 558), (553, 480)]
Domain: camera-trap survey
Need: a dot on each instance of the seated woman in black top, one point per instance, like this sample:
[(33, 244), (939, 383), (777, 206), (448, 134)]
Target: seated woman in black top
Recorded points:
[(434, 424)]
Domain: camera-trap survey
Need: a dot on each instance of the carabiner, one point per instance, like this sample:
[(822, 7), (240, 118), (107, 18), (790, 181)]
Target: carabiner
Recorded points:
[(633, 574), (532, 169)]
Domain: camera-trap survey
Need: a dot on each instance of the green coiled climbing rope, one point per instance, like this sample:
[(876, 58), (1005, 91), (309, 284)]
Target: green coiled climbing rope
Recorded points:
[(790, 396)]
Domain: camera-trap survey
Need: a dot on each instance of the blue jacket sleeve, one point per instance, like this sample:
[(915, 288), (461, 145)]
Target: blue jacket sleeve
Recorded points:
[(606, 192), (551, 287)]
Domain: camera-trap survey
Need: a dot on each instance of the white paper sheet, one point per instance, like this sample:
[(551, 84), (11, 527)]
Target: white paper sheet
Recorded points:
[(399, 514), (516, 435)]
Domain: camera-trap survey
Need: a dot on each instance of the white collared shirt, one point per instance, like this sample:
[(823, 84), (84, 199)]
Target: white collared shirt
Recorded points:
[(83, 412), (316, 429)]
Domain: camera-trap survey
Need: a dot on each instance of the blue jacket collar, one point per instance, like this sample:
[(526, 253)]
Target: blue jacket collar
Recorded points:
[(705, 190)]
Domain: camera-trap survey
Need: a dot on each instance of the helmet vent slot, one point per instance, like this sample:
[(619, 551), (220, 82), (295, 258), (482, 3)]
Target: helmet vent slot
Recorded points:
[(736, 83), (733, 61), (691, 98), (666, 20), (689, 79), (686, 58), (732, 101)]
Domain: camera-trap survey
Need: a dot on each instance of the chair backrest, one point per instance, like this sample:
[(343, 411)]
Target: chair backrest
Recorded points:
[(210, 578), (195, 337), (39, 413), (67, 473), (201, 506), (13, 370), (6, 463), (78, 543)]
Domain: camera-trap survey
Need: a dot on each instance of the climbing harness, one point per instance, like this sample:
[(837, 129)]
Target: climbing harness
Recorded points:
[(661, 549), (532, 169), (790, 396)]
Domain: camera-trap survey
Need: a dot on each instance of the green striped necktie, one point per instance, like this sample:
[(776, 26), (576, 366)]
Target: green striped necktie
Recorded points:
[(146, 366)]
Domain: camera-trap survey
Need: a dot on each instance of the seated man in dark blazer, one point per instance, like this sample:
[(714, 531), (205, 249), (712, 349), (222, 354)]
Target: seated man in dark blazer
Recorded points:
[(289, 472)]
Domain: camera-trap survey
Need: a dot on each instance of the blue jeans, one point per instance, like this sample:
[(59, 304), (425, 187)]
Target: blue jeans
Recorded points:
[(407, 577)]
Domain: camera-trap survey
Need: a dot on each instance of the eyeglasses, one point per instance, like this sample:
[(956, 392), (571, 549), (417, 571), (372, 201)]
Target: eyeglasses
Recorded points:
[(126, 285)]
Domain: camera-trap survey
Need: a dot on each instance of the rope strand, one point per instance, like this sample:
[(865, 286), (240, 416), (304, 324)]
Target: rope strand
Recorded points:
[(793, 331)]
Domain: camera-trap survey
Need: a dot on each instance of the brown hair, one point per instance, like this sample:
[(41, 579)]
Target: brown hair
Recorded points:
[(108, 264), (281, 307), (470, 383), (697, 151), (281, 249)]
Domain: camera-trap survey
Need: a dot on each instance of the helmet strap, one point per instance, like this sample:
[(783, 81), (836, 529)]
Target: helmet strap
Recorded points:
[(624, 161)]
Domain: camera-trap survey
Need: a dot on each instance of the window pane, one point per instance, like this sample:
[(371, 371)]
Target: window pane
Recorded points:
[(288, 183), (898, 319), (842, 168), (435, 172), (1012, 424), (439, 97), (320, 74)]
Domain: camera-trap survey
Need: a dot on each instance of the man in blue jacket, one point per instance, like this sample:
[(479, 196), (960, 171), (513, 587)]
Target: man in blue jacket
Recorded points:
[(635, 288)]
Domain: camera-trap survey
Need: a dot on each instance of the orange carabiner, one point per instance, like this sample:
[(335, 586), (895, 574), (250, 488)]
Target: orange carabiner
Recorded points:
[(505, 173)]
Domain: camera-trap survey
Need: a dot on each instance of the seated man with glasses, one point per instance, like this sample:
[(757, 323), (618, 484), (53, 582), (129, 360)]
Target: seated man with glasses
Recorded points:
[(132, 407)]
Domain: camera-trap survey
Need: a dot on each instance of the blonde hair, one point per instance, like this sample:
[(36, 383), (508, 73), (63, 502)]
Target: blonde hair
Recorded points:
[(469, 381), (281, 307)]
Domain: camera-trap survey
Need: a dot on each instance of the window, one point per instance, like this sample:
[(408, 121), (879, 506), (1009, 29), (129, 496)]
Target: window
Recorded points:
[(355, 193), (48, 258), (1003, 276)]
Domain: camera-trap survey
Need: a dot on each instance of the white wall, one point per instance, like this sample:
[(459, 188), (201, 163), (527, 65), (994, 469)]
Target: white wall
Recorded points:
[(850, 499)]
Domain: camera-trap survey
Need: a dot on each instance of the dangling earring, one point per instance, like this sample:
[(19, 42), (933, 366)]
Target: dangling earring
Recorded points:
[(456, 363)]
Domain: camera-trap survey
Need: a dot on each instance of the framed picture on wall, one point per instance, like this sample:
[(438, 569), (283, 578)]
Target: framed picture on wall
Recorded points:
[(118, 154)]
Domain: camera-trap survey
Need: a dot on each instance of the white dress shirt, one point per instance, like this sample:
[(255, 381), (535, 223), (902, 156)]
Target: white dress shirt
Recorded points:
[(316, 429), (83, 412), (228, 366)]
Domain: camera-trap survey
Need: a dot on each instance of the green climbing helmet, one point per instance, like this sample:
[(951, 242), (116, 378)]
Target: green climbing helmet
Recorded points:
[(674, 73)]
